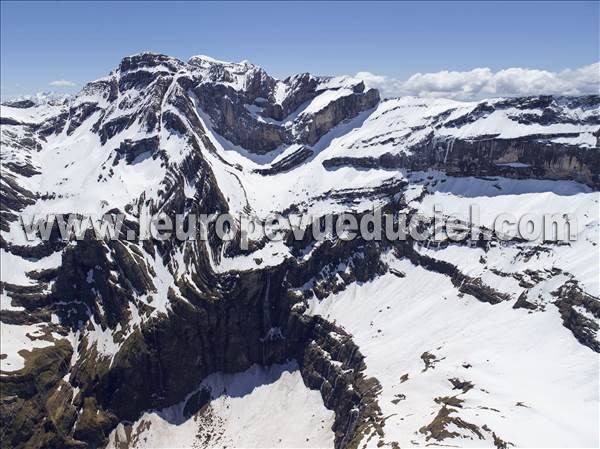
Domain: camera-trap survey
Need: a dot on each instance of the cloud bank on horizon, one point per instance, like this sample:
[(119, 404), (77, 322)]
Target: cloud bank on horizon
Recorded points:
[(63, 83), (475, 84), (482, 83)]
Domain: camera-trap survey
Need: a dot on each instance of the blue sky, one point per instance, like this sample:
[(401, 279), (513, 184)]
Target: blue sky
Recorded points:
[(48, 41)]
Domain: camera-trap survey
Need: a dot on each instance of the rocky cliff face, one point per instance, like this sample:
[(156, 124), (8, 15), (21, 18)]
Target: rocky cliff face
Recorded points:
[(97, 333), (452, 142)]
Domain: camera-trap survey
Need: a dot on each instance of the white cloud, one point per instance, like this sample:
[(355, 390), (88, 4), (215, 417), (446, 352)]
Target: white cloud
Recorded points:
[(484, 83), (63, 83)]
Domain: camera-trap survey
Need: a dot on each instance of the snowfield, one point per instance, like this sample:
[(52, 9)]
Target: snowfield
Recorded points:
[(261, 407), (509, 356)]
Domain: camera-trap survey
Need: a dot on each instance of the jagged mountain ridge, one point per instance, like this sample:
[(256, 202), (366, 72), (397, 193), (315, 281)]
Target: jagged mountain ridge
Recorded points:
[(129, 327)]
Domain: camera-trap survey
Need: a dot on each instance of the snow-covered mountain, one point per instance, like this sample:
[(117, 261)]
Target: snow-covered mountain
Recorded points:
[(295, 343)]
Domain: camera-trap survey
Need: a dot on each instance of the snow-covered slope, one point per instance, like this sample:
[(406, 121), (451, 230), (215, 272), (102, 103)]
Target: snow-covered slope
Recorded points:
[(261, 407), (465, 372), (303, 344)]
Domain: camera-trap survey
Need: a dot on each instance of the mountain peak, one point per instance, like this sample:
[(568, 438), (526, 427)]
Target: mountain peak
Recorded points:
[(149, 60), (209, 60)]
